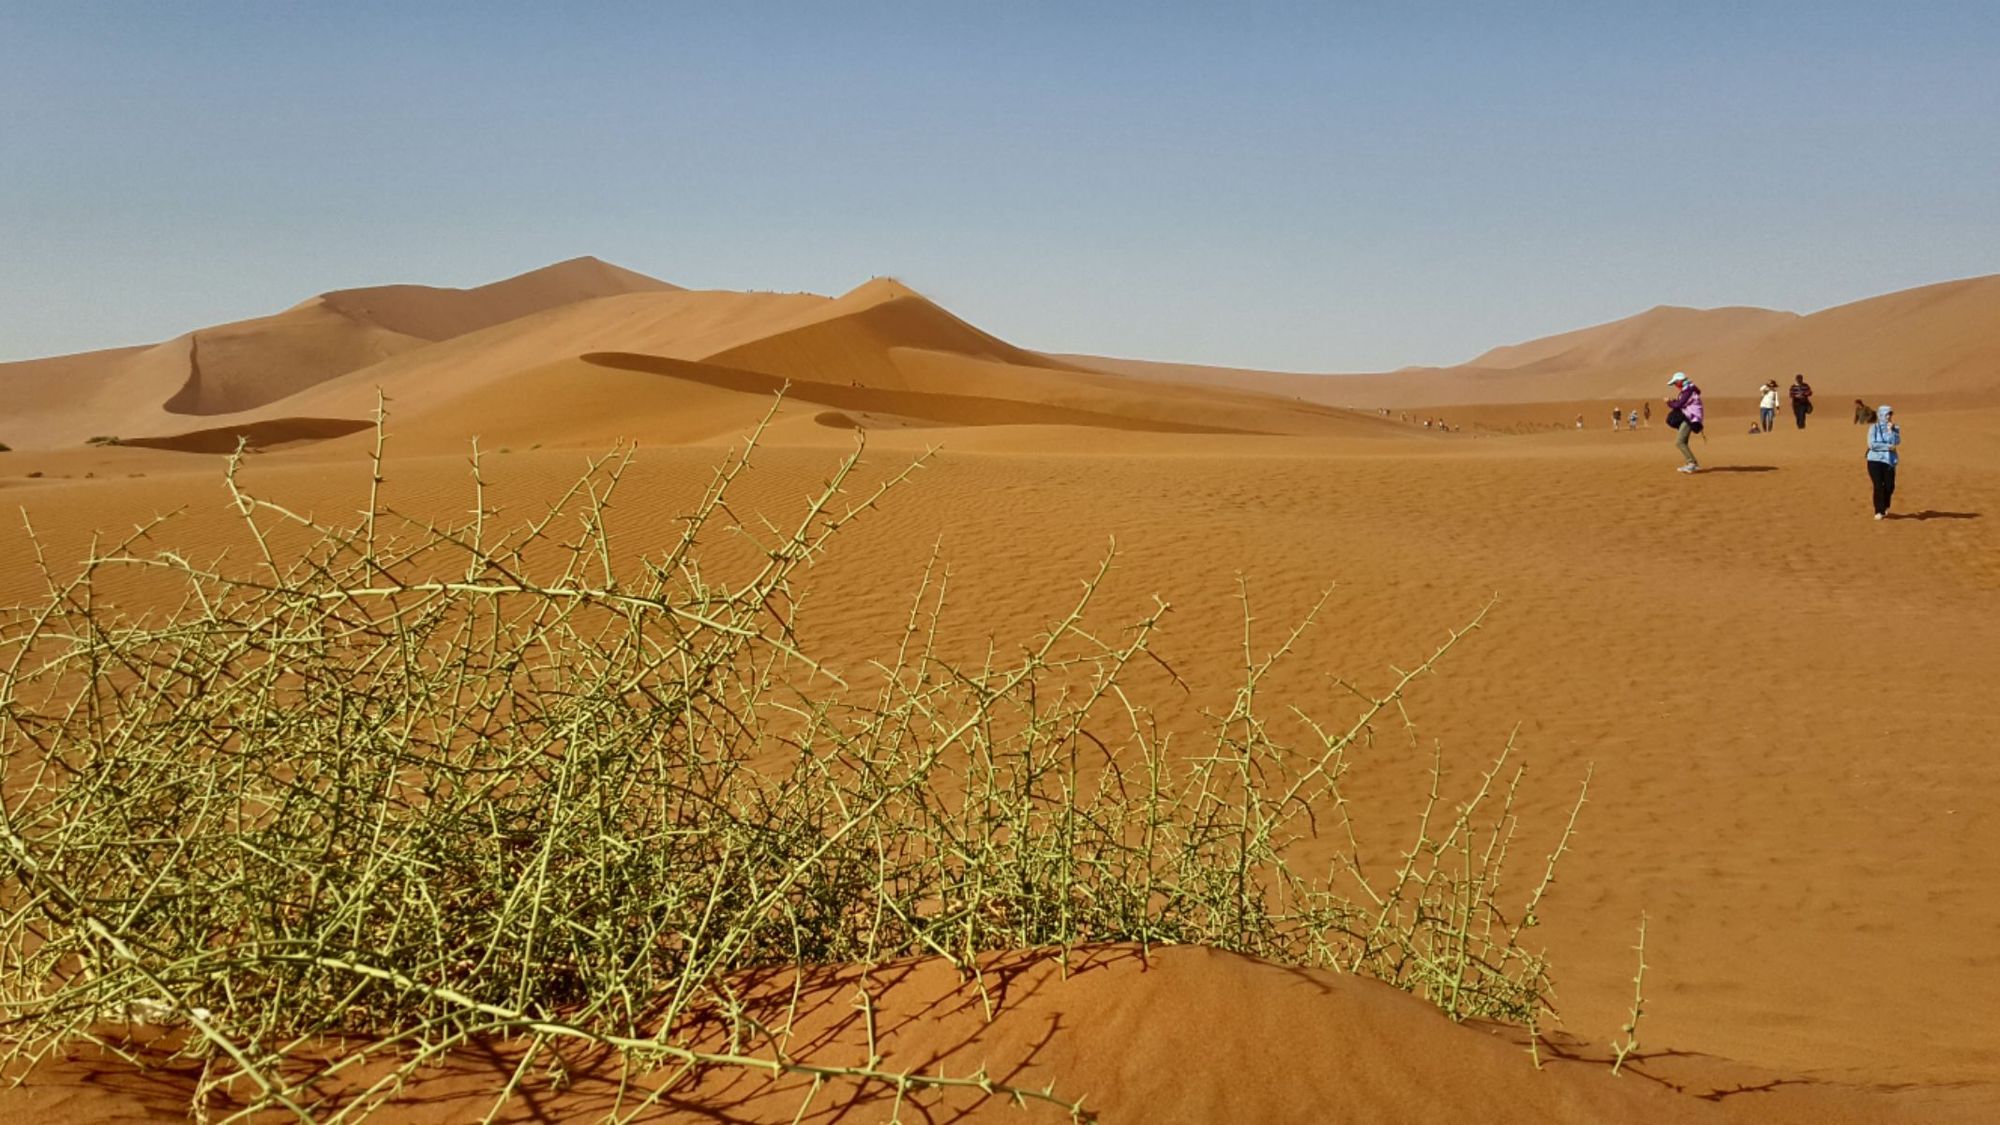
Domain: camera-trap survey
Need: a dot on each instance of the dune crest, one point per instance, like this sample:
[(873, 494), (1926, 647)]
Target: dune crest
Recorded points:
[(1658, 335), (525, 360), (249, 364), (433, 351), (432, 313), (1941, 339)]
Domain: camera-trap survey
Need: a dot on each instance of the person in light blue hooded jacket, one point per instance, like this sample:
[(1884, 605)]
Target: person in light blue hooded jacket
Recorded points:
[(1883, 438)]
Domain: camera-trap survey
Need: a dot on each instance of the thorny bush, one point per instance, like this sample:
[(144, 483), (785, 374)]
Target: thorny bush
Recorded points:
[(399, 786)]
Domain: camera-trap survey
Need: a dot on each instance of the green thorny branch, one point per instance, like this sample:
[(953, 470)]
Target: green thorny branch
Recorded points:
[(400, 786)]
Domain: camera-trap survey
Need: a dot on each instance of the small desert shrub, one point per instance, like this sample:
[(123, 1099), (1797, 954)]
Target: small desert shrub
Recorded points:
[(104, 439), (399, 787)]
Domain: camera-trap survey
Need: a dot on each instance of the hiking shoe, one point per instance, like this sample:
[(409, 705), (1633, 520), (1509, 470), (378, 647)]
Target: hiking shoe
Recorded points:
[(1688, 469), (1878, 515)]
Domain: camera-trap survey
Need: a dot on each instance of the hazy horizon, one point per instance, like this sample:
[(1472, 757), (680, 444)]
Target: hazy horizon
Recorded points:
[(1288, 189)]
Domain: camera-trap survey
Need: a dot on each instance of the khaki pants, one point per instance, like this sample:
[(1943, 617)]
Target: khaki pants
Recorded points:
[(1681, 443)]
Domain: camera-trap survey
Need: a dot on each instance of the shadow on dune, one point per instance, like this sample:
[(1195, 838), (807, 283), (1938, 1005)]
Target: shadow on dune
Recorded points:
[(927, 406), (253, 435), (1741, 469), (1932, 514)]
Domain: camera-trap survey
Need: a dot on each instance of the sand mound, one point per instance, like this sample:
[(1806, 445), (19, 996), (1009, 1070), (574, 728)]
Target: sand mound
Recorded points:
[(881, 354), (1935, 340), (243, 366), (923, 406), (250, 364), (435, 352), (855, 338), (431, 313), (1183, 1034), (1785, 814), (1660, 335), (679, 324)]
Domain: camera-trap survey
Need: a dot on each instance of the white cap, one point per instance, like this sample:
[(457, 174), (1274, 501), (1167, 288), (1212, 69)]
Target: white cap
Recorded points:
[(1678, 377)]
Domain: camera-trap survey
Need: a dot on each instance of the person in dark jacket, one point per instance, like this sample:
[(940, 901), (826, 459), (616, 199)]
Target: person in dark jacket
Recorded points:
[(1801, 400), (1883, 439), (1863, 413)]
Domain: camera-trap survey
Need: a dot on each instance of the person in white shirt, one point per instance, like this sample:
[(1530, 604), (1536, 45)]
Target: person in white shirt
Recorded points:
[(1767, 406)]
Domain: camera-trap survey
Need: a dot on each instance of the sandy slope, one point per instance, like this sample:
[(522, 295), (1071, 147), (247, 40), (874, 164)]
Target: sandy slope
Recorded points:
[(320, 364), (1935, 340), (879, 355), (1180, 1035), (237, 367), (1659, 335), (1788, 706)]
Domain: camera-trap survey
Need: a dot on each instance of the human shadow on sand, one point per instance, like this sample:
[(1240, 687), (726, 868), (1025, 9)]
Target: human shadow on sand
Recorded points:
[(1741, 469), (1932, 514)]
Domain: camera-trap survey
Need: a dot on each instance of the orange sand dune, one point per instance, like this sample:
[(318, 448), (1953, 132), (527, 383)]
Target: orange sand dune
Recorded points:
[(1659, 335), (1787, 706), (243, 366), (232, 368), (679, 325), (881, 352), (1935, 340), (425, 348), (1178, 1035), (854, 339), (927, 406), (431, 313)]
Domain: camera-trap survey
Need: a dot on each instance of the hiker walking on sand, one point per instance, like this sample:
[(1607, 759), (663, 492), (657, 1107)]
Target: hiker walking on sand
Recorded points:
[(1863, 413), (1684, 416), (1615, 415), (1647, 418), (1883, 438), (1801, 400), (1767, 405)]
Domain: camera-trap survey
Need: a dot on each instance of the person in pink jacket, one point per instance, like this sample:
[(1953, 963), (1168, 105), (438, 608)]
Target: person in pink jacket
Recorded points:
[(1684, 416)]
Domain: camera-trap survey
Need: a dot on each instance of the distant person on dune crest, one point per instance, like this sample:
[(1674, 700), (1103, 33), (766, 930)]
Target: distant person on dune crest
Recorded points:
[(1616, 414), (1684, 414), (1647, 418), (1883, 438), (1801, 400), (1579, 422), (1863, 413), (1767, 405)]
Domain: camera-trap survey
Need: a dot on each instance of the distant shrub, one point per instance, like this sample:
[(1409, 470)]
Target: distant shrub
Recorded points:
[(103, 439)]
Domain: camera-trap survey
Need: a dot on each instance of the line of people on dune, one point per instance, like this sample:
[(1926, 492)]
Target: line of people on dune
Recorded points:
[(1884, 440)]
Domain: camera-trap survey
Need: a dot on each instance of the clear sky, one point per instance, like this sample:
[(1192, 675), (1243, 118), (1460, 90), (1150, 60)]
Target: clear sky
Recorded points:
[(1307, 187)]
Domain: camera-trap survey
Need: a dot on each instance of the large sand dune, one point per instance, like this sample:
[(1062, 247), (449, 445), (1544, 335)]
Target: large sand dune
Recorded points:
[(1787, 705), (1935, 340), (510, 362), (238, 367)]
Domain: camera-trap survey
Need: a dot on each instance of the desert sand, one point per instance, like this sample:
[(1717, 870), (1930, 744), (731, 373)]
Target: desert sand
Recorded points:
[(1787, 707)]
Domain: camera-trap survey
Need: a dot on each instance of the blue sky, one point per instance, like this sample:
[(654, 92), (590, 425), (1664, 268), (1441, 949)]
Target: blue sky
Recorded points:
[(1305, 187)]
